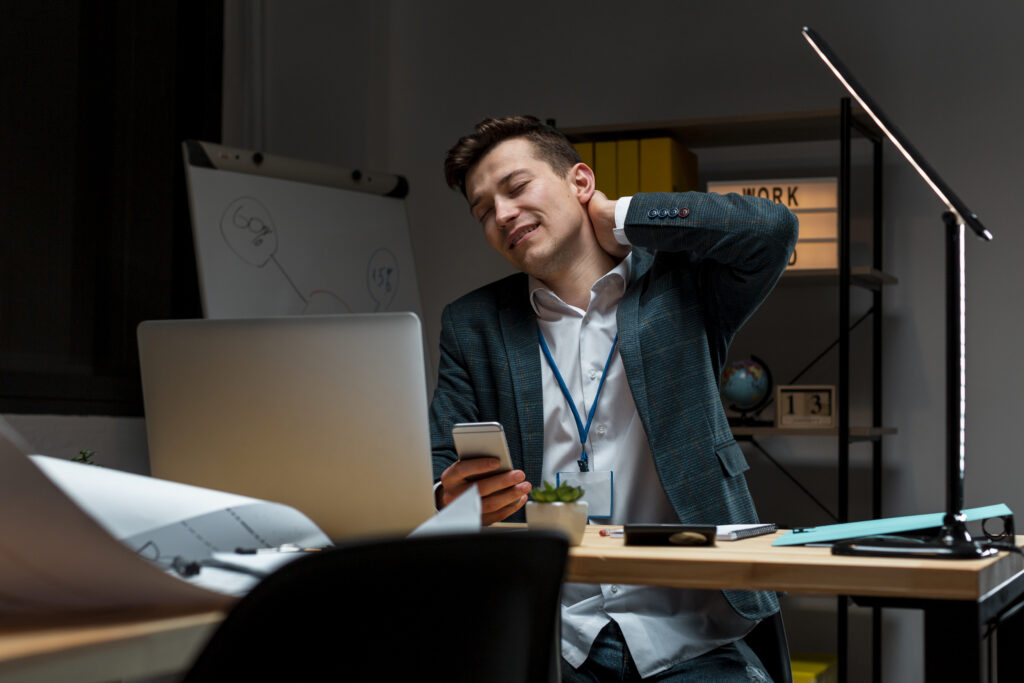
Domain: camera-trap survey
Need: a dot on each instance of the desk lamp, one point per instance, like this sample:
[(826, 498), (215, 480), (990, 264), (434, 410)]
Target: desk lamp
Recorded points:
[(953, 539)]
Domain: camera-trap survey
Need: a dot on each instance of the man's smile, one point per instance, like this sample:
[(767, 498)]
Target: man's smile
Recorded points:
[(520, 233)]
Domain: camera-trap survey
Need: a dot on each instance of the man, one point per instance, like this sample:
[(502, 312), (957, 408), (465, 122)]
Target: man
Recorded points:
[(624, 310)]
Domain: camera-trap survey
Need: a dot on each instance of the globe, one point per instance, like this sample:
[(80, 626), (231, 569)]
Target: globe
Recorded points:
[(745, 384)]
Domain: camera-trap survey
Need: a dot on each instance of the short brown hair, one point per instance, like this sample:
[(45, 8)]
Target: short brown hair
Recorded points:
[(551, 146)]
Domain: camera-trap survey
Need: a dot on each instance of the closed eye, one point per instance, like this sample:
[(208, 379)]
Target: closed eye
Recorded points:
[(481, 210)]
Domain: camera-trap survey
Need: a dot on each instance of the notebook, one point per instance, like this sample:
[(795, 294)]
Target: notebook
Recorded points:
[(327, 414), (736, 532)]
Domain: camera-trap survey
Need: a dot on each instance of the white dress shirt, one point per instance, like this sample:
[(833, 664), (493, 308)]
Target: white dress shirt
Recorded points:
[(661, 626)]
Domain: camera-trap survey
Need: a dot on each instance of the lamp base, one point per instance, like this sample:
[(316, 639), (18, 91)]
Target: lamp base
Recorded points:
[(952, 543)]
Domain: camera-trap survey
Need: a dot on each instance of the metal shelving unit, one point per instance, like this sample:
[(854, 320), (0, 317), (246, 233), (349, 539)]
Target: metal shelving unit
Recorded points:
[(823, 125)]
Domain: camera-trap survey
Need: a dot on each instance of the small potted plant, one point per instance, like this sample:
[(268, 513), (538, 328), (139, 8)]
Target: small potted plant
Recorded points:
[(558, 508)]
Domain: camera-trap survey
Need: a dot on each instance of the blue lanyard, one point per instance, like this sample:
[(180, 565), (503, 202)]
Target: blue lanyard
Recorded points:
[(584, 461)]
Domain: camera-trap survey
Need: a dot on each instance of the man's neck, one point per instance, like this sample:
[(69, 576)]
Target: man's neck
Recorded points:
[(574, 284)]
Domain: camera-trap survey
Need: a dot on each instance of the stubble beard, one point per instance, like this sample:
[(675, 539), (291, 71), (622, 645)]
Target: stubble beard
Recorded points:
[(555, 261)]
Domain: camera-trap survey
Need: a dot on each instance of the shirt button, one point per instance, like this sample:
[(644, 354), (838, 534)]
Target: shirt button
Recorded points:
[(601, 429), (614, 589), (593, 374)]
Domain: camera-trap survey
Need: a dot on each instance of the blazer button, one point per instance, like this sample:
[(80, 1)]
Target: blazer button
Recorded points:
[(653, 213), (663, 213), (673, 212), (684, 212)]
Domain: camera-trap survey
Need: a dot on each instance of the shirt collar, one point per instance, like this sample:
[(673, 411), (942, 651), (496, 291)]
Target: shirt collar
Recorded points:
[(542, 298)]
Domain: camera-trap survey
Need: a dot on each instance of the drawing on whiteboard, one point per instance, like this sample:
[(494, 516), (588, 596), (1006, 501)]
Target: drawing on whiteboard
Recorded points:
[(323, 302), (382, 278), (248, 228)]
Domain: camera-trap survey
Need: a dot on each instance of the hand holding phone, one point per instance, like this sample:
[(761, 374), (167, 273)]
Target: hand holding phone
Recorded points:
[(482, 440), (503, 490)]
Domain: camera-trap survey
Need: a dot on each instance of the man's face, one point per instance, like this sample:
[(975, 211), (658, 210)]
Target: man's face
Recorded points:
[(530, 215)]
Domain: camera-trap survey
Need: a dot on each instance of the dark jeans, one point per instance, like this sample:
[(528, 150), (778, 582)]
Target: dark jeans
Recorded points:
[(610, 660)]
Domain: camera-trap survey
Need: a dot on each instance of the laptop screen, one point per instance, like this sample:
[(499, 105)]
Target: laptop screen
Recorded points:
[(327, 414)]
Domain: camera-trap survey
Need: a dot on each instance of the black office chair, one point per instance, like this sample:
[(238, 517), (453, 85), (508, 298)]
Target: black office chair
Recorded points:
[(768, 641), (467, 607)]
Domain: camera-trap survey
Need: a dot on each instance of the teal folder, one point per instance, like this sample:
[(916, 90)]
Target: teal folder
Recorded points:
[(888, 525)]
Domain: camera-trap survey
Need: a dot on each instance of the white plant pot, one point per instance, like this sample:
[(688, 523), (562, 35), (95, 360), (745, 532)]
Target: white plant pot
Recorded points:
[(569, 518)]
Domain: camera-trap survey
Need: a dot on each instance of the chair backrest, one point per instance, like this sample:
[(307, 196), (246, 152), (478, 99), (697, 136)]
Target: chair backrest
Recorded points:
[(769, 643), (468, 607)]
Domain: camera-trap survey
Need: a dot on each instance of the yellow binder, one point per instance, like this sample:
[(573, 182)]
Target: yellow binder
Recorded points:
[(666, 166), (628, 176), (586, 152), (606, 168)]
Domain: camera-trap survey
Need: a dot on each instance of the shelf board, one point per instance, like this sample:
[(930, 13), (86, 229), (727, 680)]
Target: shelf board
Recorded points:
[(856, 433), (860, 276), (804, 126)]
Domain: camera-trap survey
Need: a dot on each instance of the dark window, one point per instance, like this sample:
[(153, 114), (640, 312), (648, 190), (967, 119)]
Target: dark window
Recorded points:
[(95, 234)]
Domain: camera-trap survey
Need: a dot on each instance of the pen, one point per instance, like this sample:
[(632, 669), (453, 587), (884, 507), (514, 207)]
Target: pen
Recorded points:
[(285, 548)]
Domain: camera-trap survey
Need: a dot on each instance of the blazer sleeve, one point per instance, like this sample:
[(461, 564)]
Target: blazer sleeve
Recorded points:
[(453, 400), (739, 245)]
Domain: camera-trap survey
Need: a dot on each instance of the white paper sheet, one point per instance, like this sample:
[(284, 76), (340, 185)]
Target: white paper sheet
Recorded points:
[(460, 515), (55, 559), (162, 519), (128, 504), (83, 539)]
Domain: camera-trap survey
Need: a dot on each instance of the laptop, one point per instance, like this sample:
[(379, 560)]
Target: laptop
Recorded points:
[(327, 414)]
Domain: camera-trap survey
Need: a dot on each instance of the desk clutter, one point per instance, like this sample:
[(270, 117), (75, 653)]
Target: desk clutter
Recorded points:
[(93, 540)]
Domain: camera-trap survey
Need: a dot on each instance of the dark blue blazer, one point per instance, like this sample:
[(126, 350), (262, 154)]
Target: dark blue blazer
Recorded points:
[(702, 264)]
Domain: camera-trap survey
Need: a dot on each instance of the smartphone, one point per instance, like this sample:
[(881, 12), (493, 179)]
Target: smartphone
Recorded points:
[(482, 440)]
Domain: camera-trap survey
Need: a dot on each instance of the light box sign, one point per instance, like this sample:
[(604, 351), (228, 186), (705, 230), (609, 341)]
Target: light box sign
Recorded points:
[(815, 203)]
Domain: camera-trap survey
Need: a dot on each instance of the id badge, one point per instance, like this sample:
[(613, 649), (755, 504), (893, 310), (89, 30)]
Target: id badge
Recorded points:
[(597, 491)]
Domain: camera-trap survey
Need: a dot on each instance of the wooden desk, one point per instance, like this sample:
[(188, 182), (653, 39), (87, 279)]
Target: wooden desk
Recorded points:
[(959, 597), (105, 651)]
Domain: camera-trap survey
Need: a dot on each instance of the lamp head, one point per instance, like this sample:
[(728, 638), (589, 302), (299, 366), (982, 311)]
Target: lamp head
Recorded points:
[(913, 157)]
